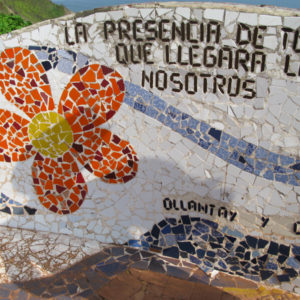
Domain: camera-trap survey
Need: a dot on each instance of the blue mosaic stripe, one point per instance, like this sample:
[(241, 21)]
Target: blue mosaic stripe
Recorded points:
[(211, 248), (13, 207), (244, 155)]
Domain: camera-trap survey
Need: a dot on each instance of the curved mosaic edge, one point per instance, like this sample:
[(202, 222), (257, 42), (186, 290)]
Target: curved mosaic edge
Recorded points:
[(244, 155), (13, 207), (201, 242)]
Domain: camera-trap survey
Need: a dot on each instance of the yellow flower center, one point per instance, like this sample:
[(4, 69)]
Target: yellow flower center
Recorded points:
[(50, 134)]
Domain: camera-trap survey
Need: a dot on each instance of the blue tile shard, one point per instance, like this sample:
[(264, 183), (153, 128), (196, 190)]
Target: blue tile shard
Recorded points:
[(12, 207), (209, 248), (244, 155)]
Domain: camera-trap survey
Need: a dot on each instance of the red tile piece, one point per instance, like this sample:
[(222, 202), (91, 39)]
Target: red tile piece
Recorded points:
[(108, 157), (23, 81), (59, 185), (14, 141), (91, 98)]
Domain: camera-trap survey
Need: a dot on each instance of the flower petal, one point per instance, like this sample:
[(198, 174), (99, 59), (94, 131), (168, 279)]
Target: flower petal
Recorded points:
[(92, 97), (14, 141), (58, 183), (108, 157), (23, 81)]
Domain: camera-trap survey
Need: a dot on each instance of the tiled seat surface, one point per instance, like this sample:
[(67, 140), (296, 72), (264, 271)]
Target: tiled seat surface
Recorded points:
[(42, 265)]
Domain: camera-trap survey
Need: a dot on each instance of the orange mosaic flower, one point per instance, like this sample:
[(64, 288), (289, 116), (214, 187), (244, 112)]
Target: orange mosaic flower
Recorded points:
[(60, 139)]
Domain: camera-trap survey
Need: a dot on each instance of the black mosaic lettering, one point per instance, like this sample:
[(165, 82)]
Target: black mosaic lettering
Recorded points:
[(210, 59), (176, 82), (180, 59), (174, 205), (250, 89), (167, 204), (258, 37), (242, 29), (205, 76), (297, 227), (192, 205), (190, 26), (265, 221), (202, 32), (178, 31), (211, 211), (67, 37), (225, 54), (147, 52), (80, 30), (193, 56), (233, 215), (213, 30), (222, 212), (153, 32), (147, 78), (137, 30), (258, 59), (182, 207), (135, 54), (167, 55), (163, 30), (234, 85), (295, 42), (203, 208), (121, 53), (241, 59), (287, 66), (191, 88), (286, 31), (219, 83), (123, 29), (161, 79), (109, 27)]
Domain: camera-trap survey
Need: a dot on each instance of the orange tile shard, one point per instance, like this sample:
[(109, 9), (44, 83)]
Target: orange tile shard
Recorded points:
[(58, 139)]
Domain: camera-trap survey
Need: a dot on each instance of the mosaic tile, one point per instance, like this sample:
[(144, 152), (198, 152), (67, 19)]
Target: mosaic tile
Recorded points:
[(234, 254), (15, 144), (58, 183), (59, 58), (95, 274), (91, 98), (50, 134), (208, 141), (244, 155), (24, 81), (13, 207)]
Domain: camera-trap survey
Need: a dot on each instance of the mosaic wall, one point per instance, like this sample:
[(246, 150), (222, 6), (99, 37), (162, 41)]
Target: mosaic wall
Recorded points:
[(201, 242), (172, 128)]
